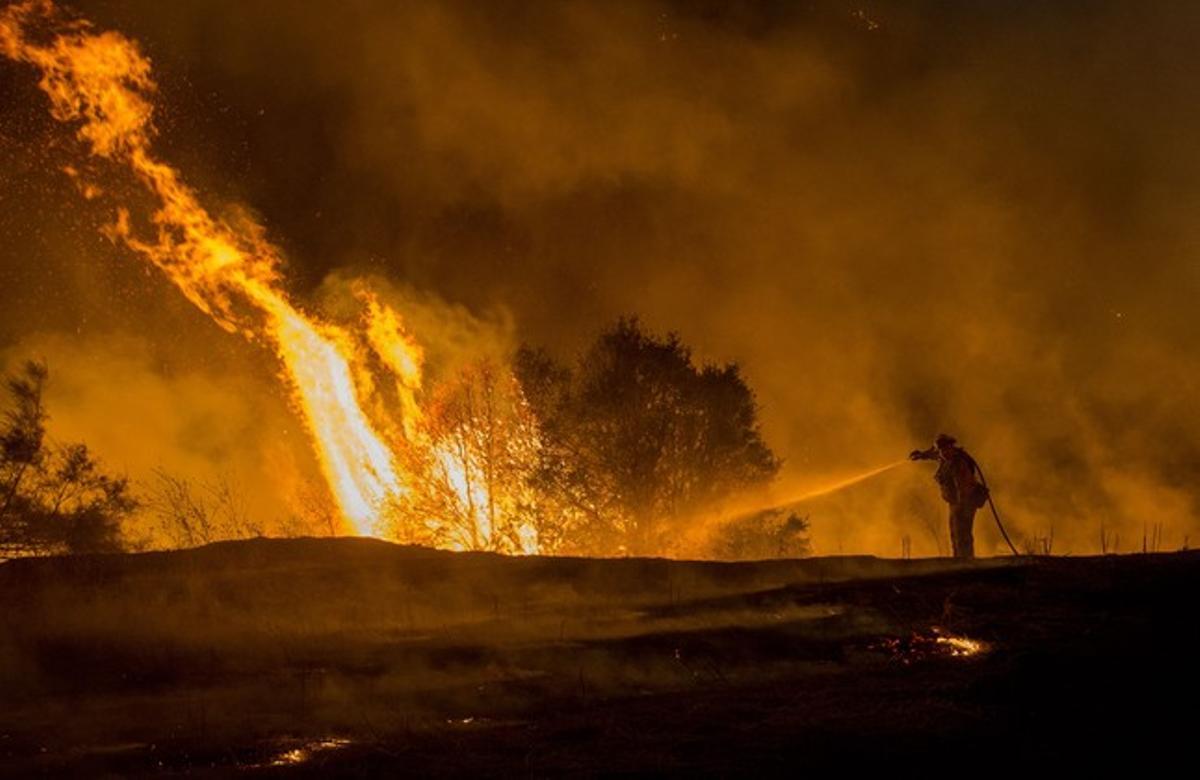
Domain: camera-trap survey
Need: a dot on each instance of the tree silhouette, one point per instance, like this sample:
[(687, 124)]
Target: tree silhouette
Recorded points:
[(55, 498), (191, 514), (773, 533), (636, 436)]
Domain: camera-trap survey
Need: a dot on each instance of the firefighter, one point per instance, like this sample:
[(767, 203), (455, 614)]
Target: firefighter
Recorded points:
[(956, 476)]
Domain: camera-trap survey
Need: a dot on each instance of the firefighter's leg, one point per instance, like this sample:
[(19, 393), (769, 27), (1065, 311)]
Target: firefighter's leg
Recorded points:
[(966, 534), (953, 532), (962, 518)]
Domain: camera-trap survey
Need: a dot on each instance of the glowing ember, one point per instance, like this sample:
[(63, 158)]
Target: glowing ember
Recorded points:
[(306, 752), (961, 646), (937, 643)]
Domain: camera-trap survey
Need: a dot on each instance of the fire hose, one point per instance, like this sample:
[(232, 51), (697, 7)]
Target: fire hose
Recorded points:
[(995, 513)]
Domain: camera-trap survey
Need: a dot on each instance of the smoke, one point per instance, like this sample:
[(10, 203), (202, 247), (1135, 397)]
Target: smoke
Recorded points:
[(140, 415), (925, 217), (451, 336)]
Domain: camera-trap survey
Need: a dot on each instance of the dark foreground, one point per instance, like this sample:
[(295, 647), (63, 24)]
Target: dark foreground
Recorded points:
[(359, 658)]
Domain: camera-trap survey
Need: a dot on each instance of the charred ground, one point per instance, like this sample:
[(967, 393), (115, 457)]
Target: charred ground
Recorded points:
[(352, 657)]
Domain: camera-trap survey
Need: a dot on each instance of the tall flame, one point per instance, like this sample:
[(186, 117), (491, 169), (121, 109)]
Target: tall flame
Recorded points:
[(102, 82)]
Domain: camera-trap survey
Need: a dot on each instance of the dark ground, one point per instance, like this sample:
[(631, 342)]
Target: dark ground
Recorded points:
[(356, 658)]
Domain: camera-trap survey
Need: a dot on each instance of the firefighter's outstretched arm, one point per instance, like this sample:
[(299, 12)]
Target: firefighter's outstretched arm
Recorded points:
[(929, 454)]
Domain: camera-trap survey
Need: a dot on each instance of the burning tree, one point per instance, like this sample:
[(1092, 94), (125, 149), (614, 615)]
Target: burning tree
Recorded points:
[(55, 497), (471, 483), (637, 437)]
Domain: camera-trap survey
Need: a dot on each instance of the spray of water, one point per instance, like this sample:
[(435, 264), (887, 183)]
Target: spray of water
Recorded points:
[(811, 493), (841, 484)]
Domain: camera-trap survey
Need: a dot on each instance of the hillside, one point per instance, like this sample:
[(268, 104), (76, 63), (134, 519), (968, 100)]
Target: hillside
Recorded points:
[(354, 656)]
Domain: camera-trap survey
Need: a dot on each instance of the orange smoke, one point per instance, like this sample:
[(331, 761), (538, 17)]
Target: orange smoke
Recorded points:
[(102, 83)]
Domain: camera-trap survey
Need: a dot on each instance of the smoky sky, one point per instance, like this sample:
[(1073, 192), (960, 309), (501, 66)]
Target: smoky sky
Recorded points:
[(898, 217)]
